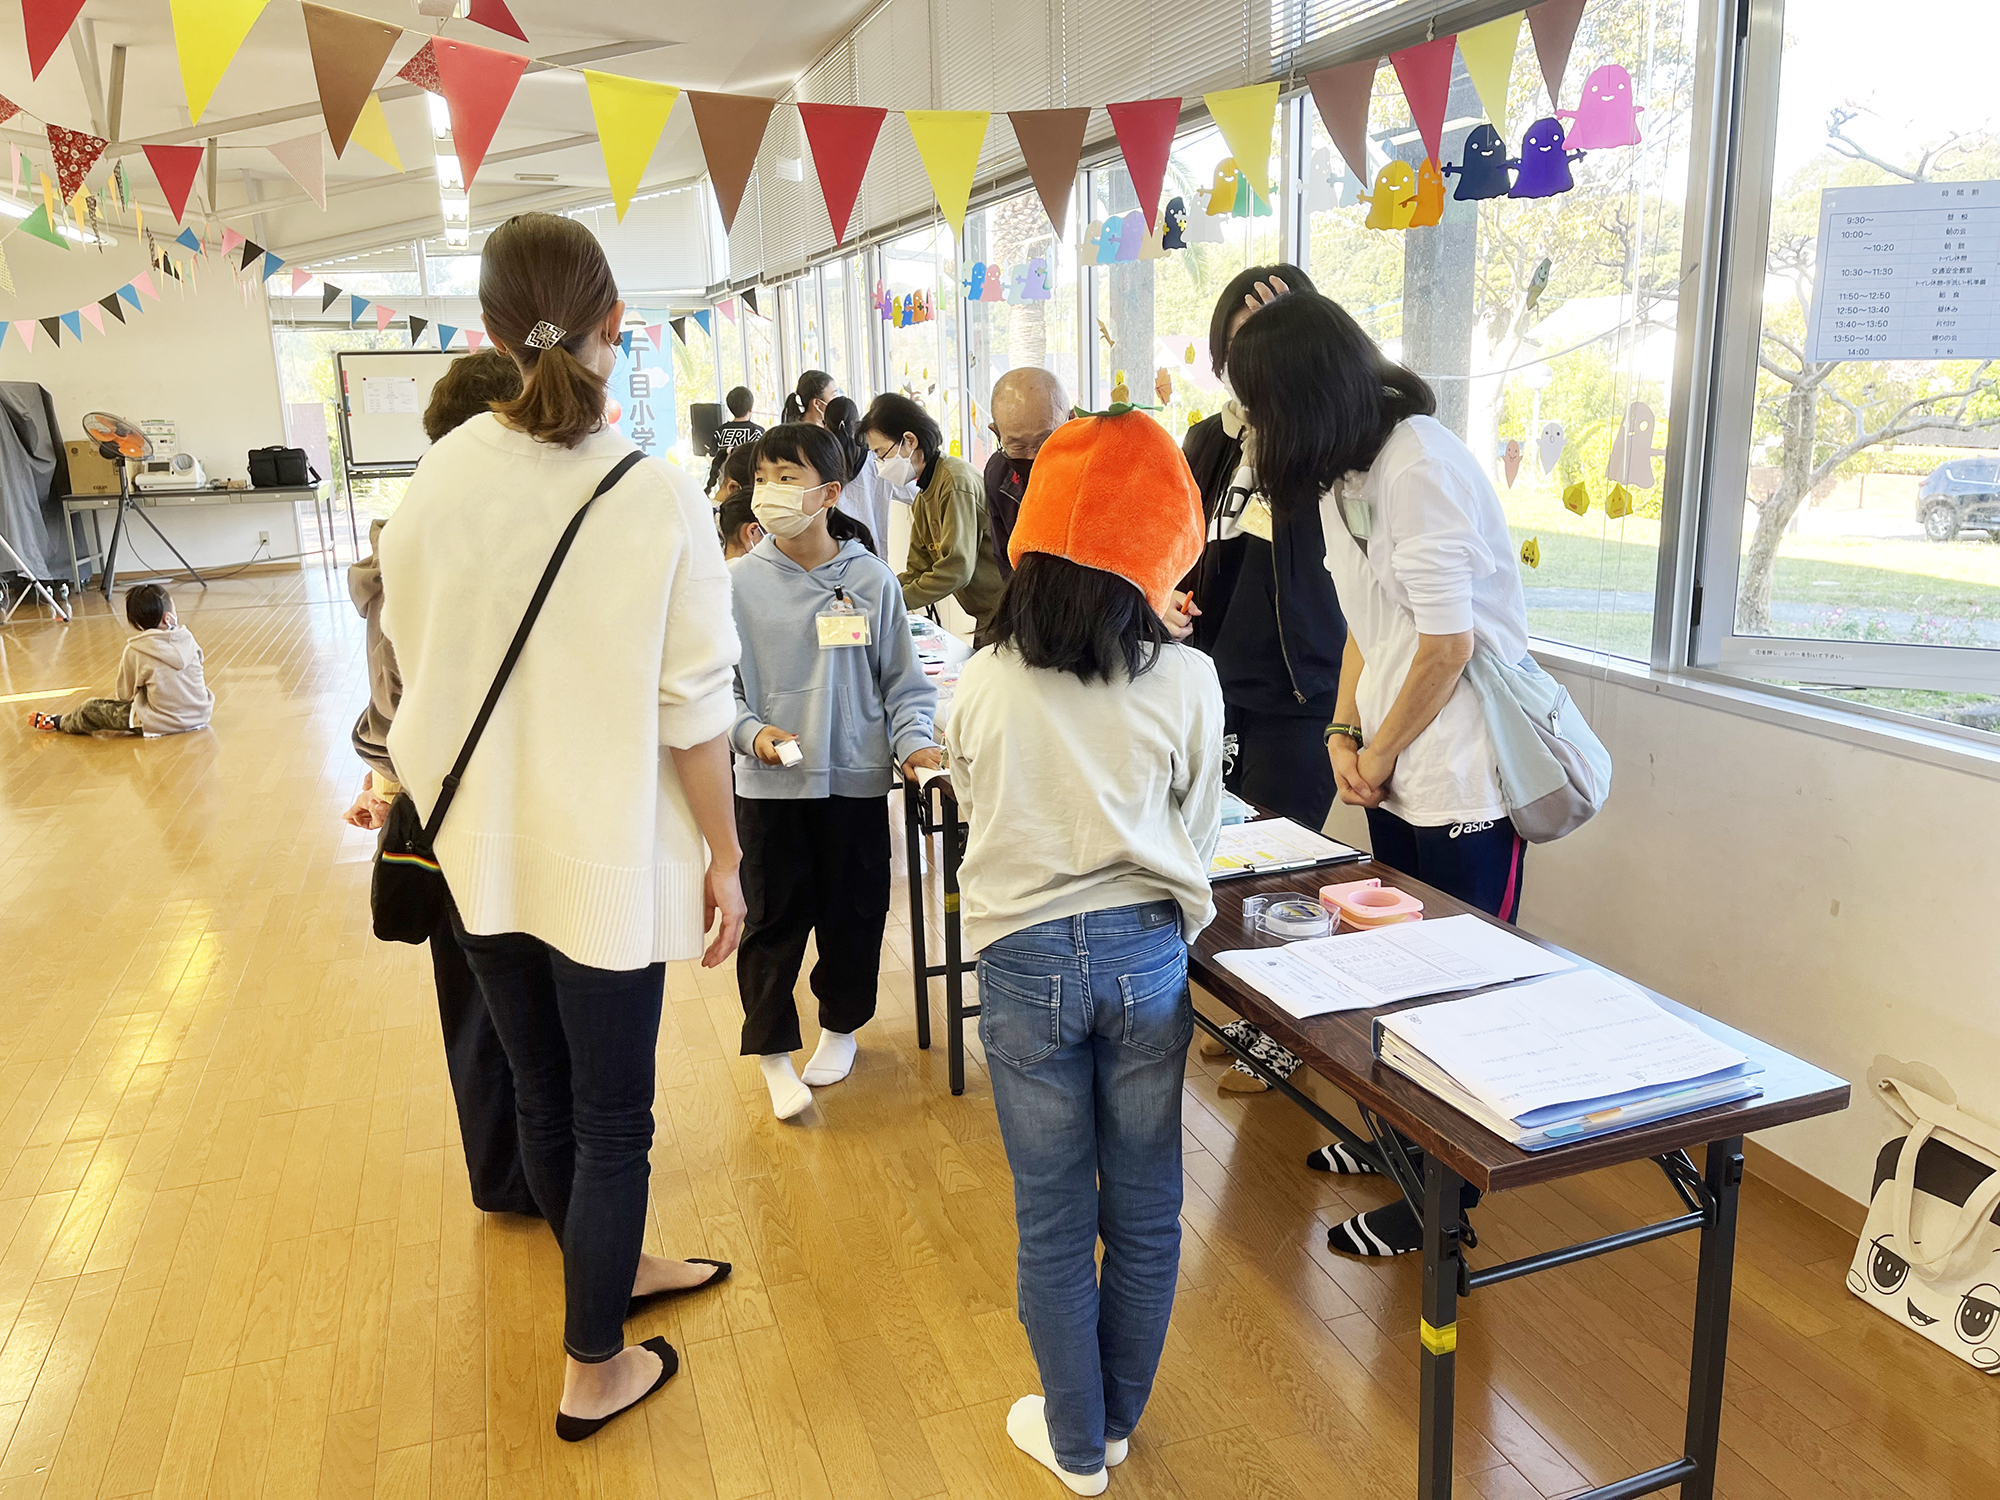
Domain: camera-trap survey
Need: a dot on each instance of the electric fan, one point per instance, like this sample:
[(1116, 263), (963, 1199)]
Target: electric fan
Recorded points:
[(124, 444)]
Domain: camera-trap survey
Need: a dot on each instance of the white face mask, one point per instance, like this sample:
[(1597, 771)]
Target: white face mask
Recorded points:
[(781, 508), (895, 470)]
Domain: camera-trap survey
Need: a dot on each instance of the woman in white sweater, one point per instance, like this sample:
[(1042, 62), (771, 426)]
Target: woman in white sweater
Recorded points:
[(575, 847)]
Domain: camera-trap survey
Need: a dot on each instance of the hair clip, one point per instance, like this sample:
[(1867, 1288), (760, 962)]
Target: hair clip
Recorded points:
[(545, 335)]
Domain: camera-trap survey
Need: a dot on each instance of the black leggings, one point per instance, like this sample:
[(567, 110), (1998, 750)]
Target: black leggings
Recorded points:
[(1480, 863)]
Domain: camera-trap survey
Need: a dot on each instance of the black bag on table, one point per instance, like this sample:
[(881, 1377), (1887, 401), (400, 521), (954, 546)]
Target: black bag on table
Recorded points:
[(407, 893), (276, 468)]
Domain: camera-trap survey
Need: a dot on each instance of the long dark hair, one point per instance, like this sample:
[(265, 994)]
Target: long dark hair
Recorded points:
[(843, 419), (1068, 618), (1321, 394), (1230, 303), (812, 385), (815, 448), (542, 268), (892, 414)]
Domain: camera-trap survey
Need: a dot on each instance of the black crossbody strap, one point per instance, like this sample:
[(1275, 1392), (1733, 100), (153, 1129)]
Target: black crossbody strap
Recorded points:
[(457, 772)]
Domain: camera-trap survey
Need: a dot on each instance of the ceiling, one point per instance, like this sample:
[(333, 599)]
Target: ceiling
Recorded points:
[(544, 154)]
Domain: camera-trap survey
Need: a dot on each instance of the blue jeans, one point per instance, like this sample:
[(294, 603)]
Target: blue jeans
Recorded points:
[(1086, 1022), (581, 1042)]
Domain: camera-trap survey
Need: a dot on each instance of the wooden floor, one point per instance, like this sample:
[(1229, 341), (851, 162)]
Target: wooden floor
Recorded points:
[(238, 1258)]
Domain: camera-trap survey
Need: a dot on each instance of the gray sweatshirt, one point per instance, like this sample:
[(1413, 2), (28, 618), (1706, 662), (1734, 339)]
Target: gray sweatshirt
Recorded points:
[(385, 681), (162, 676), (859, 711)]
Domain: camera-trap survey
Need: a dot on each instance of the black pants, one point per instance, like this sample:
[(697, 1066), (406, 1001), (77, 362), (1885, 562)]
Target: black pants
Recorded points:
[(1281, 763), (581, 1041), (814, 866), (482, 1084)]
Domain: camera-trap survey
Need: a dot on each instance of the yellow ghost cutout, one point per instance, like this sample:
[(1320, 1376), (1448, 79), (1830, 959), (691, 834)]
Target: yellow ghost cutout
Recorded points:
[(1430, 195), (1577, 499), (1531, 553), (1194, 417), (1618, 504), (1222, 196), (1188, 358), (1120, 391), (1394, 200)]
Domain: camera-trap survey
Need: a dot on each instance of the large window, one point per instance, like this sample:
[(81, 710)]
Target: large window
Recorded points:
[(1012, 250), (920, 284), (765, 379), (833, 343), (729, 347)]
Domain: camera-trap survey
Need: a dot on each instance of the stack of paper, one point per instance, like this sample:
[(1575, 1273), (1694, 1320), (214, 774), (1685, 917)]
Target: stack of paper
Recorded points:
[(1270, 845), (1562, 1060)]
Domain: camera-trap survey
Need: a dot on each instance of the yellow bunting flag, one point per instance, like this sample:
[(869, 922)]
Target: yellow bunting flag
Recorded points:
[(49, 196), (1577, 499), (1531, 553), (949, 141), (1489, 60), (371, 133), (631, 113), (207, 35), (1245, 117), (1618, 504)]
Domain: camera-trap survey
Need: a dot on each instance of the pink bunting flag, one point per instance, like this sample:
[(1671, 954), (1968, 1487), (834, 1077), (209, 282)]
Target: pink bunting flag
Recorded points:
[(230, 240), (144, 282), (728, 308), (94, 315), (1425, 74), (657, 333), (299, 279), (25, 332), (474, 338), (383, 317), (303, 158)]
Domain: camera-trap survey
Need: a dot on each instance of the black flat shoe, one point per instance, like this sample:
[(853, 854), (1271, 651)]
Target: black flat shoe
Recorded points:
[(666, 1294), (576, 1429)]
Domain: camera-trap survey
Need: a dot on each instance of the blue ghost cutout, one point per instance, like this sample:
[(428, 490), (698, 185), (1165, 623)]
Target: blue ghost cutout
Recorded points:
[(1542, 170), (1483, 171)]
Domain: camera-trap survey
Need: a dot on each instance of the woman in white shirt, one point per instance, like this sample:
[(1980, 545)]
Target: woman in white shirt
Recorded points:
[(1418, 546), (574, 848)]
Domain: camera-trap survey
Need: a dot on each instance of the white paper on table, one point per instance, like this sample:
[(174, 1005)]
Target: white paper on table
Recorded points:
[(1388, 964), (1584, 1035), (1294, 985)]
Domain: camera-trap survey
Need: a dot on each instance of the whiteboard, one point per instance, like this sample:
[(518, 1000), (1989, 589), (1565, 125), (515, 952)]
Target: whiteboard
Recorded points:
[(382, 401)]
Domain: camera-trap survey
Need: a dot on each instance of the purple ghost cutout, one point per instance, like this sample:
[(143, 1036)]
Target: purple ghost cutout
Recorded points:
[(1606, 115), (1543, 168), (1134, 238)]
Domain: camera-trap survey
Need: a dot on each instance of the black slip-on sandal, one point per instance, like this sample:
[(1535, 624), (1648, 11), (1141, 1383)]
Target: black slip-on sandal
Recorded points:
[(576, 1429), (667, 1293)]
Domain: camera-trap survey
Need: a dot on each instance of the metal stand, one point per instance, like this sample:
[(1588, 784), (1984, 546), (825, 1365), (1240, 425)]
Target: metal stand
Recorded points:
[(126, 504), (35, 586), (921, 816)]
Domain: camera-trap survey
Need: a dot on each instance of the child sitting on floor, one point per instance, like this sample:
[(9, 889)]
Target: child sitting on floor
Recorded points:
[(160, 689)]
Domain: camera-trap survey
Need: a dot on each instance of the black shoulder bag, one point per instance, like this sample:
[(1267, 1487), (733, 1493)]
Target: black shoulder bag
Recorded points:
[(407, 894)]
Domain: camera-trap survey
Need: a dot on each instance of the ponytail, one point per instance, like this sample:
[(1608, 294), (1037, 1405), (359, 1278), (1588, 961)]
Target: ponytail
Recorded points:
[(812, 385), (541, 269), (845, 528), (794, 410), (560, 401)]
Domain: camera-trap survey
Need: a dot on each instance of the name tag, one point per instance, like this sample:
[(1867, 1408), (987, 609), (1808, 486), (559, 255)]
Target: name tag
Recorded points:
[(841, 628), (1256, 519)]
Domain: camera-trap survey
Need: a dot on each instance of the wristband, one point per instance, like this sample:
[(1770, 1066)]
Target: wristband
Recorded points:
[(1349, 730)]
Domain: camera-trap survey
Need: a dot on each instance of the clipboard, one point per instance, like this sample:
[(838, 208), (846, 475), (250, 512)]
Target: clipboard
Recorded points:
[(1274, 846)]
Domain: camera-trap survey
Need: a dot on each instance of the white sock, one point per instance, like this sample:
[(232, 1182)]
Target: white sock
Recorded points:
[(832, 1059), (1116, 1450), (1028, 1426), (788, 1096)]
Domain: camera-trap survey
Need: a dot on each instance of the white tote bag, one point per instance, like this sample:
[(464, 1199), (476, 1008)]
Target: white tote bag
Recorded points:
[(1929, 1255)]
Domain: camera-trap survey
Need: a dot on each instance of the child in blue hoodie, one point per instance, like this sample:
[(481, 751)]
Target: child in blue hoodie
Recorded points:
[(830, 698)]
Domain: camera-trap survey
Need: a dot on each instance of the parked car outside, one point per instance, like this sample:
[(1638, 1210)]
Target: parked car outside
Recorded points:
[(1963, 495)]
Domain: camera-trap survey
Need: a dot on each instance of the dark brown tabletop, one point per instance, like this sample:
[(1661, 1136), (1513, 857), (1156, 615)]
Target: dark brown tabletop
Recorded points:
[(1339, 1048)]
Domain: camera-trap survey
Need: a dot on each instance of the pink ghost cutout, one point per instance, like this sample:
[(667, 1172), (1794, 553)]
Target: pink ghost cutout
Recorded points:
[(1511, 460), (1606, 115), (996, 284)]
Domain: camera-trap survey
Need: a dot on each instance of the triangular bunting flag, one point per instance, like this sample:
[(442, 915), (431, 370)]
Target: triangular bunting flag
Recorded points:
[(299, 280), (75, 152), (371, 133), (728, 308), (680, 328), (1489, 60), (1051, 142), (8, 109), (494, 16), (6, 280), (304, 159), (657, 334), (207, 35), (230, 239), (1425, 74), (356, 306), (750, 299), (26, 331), (1342, 95), (348, 52), (174, 168), (3, 335), (842, 137), (187, 239), (707, 324), (113, 306), (73, 322), (130, 293), (53, 328), (473, 338), (446, 333), (625, 342), (1146, 137), (422, 70), (1245, 117), (417, 327), (1553, 25), (731, 127), (47, 23), (329, 294), (49, 196), (273, 263), (94, 314), (251, 250), (476, 82), (949, 141), (630, 113), (42, 227), (384, 316)]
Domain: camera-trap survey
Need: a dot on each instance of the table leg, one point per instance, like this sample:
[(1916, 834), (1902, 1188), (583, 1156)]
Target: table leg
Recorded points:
[(1722, 1175), (1437, 1360), (954, 969), (913, 846)]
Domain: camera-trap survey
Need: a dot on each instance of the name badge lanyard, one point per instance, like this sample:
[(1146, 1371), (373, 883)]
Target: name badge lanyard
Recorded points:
[(841, 624)]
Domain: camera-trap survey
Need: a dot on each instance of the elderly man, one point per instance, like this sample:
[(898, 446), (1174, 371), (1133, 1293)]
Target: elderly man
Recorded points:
[(1028, 405)]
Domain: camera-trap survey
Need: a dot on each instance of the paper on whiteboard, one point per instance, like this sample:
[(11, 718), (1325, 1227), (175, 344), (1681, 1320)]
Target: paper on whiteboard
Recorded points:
[(389, 395)]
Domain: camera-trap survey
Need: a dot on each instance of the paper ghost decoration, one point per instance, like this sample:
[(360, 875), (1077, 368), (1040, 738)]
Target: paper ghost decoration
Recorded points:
[(1121, 393), (1035, 283), (975, 282), (1248, 200), (1618, 504), (1394, 200), (1093, 242), (1538, 283), (1201, 229), (996, 284), (1430, 195), (1173, 224), (1322, 183), (1154, 245), (1632, 451), (1134, 236), (1222, 194), (1510, 460), (1531, 553), (1576, 499), (1606, 115), (896, 318), (1482, 170), (1163, 385), (1542, 169), (1549, 446)]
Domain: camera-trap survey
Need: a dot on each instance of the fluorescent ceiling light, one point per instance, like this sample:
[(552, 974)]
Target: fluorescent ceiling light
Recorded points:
[(440, 117)]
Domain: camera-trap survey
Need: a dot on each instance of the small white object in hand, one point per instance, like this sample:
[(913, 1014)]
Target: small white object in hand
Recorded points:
[(789, 753)]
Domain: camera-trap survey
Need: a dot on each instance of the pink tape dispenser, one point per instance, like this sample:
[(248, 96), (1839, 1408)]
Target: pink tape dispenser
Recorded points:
[(1369, 903)]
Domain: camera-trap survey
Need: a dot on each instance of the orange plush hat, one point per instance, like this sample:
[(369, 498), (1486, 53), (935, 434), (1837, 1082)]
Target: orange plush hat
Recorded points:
[(1113, 492)]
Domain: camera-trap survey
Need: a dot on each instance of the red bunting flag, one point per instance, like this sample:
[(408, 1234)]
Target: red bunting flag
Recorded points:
[(47, 22), (8, 109), (842, 138), (476, 83), (1146, 138), (494, 16), (1553, 25), (422, 69), (731, 127), (1425, 74), (75, 152), (1343, 95), (1051, 142), (174, 168)]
